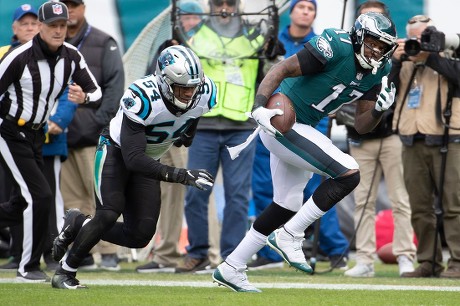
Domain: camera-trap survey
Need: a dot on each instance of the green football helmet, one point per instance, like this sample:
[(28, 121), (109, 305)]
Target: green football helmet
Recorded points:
[(378, 27)]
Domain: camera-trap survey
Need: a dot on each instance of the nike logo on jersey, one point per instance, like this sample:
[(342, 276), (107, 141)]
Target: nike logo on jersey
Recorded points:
[(113, 48), (328, 37)]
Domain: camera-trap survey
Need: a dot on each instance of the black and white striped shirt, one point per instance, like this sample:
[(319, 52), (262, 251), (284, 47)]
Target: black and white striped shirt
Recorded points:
[(31, 80)]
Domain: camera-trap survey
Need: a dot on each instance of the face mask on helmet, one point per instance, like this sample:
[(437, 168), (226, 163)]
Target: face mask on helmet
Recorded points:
[(180, 77), (377, 33)]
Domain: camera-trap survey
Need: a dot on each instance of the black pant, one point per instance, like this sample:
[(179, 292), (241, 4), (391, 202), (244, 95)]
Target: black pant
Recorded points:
[(119, 191), (31, 197)]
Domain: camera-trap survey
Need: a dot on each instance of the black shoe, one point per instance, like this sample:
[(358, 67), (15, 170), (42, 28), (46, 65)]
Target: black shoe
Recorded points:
[(189, 264), (264, 263), (339, 262), (32, 277), (153, 267), (11, 265), (109, 262), (67, 234), (66, 280)]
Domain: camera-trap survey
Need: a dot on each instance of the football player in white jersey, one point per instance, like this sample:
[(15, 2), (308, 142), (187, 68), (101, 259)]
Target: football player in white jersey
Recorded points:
[(156, 112)]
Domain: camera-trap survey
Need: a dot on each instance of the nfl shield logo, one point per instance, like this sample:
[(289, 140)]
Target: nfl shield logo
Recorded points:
[(57, 9)]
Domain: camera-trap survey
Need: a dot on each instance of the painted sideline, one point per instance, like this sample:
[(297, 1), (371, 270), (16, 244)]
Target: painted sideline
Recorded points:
[(111, 282)]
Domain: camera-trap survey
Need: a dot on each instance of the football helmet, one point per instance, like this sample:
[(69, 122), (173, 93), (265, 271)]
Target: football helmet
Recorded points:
[(179, 68), (379, 28)]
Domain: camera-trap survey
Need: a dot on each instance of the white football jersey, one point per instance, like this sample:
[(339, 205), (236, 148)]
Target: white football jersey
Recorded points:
[(143, 104)]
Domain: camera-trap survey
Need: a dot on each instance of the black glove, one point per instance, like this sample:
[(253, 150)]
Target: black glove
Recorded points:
[(198, 178), (184, 140), (274, 48)]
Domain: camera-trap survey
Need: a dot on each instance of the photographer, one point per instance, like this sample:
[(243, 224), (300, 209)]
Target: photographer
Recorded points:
[(378, 154), (425, 82)]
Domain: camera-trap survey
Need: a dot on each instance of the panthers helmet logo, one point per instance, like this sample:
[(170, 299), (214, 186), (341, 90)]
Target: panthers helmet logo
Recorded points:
[(129, 102)]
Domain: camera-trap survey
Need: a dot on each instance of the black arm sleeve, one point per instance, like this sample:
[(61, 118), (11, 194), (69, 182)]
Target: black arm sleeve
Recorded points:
[(133, 145), (311, 61)]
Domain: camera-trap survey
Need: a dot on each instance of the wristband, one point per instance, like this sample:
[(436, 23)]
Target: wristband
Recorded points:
[(260, 100)]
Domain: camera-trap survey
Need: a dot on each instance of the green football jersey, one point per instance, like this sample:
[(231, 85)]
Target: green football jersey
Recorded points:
[(318, 95)]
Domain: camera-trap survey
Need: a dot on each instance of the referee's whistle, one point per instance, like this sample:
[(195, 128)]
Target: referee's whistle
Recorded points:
[(21, 122)]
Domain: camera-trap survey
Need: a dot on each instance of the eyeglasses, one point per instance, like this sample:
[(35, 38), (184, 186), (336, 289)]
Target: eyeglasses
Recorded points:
[(419, 18), (221, 2)]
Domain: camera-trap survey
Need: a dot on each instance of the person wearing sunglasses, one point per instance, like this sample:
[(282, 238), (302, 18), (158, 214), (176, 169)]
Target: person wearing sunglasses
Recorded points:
[(426, 82), (378, 154)]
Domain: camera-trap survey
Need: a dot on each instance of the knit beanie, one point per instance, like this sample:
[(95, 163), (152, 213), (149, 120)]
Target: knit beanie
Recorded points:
[(294, 2)]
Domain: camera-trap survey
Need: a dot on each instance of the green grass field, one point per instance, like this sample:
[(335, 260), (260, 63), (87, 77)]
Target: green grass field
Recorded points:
[(130, 288)]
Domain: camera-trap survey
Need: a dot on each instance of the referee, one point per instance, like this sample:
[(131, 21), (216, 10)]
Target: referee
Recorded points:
[(32, 77)]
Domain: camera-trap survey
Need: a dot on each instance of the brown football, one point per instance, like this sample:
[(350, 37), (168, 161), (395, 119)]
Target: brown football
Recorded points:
[(385, 254), (282, 123)]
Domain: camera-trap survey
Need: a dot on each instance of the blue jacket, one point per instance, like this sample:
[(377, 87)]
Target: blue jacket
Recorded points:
[(57, 144), (293, 46)]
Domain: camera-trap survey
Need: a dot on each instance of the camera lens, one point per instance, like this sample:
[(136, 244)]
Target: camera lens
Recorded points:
[(412, 47)]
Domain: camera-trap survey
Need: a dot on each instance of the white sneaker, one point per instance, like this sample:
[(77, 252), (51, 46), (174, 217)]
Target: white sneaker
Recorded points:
[(361, 270), (232, 278), (290, 248), (405, 264)]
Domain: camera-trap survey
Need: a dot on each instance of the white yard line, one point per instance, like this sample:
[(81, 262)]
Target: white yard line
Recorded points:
[(111, 282)]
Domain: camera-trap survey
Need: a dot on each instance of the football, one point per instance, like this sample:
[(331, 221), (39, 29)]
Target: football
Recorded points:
[(385, 254), (282, 123)]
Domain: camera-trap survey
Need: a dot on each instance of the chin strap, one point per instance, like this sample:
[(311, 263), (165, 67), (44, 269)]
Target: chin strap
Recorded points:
[(376, 65)]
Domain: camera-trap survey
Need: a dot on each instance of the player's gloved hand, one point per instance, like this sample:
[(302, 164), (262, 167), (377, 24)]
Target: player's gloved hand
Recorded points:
[(262, 116), (386, 96), (198, 178), (184, 140)]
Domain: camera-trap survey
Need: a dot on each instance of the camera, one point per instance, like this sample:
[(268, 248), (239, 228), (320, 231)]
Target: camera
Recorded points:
[(431, 40)]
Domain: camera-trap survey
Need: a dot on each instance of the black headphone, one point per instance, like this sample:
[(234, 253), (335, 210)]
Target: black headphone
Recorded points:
[(386, 11)]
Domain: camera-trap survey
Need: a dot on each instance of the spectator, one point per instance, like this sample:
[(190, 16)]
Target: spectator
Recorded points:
[(293, 37), (166, 253), (329, 63), (128, 171), (24, 109), (223, 43), (377, 153), (25, 26), (104, 60), (426, 82)]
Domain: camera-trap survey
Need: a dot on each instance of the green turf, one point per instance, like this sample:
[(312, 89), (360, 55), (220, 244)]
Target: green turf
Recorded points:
[(43, 294)]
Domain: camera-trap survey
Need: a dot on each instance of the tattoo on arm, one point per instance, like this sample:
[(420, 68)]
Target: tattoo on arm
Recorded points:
[(290, 67)]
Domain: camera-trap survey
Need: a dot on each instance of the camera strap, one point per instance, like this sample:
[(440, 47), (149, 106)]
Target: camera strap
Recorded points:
[(406, 93)]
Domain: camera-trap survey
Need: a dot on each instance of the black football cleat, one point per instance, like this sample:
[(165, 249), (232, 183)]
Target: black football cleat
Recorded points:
[(67, 235), (66, 280)]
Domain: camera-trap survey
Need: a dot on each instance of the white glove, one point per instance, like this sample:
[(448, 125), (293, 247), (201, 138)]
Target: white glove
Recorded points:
[(386, 96), (262, 116)]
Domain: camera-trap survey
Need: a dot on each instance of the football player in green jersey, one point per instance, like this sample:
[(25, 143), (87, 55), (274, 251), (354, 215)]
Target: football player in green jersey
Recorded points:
[(334, 68)]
